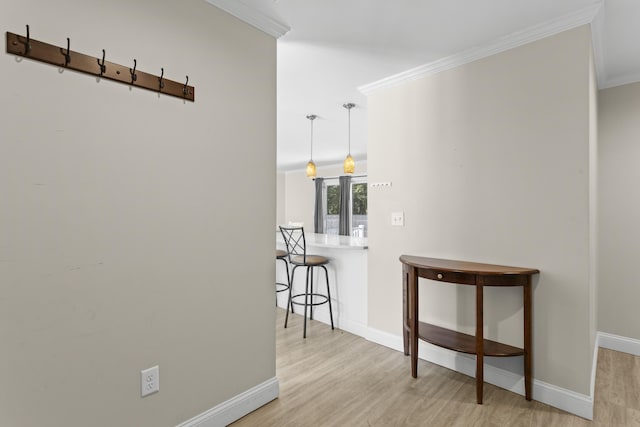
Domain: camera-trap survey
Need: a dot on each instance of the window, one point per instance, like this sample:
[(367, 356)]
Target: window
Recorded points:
[(357, 210)]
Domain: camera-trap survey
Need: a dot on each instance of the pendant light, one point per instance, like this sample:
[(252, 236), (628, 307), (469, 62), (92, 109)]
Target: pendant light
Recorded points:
[(311, 167), (349, 164)]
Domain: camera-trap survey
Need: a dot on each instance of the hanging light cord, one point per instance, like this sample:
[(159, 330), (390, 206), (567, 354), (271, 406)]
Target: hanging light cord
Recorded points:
[(349, 121), (311, 117), (311, 152)]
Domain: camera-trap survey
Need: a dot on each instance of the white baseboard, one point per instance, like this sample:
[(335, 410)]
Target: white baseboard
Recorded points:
[(594, 366), (567, 400), (236, 407), (351, 326), (618, 343), (321, 314)]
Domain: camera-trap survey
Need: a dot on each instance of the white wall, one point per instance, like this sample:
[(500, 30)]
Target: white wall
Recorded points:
[(619, 209), (127, 217), (299, 192), (280, 197), (490, 162)]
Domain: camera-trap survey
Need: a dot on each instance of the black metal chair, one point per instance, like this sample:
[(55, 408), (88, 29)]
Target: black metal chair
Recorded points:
[(298, 257), (281, 287)]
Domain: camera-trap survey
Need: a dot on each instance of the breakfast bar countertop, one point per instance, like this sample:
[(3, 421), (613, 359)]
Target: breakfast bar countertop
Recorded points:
[(331, 241)]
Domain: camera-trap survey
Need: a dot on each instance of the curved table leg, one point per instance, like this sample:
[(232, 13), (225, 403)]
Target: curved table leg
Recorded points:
[(479, 343)]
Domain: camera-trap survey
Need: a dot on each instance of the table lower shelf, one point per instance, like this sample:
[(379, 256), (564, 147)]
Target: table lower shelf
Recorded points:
[(463, 343)]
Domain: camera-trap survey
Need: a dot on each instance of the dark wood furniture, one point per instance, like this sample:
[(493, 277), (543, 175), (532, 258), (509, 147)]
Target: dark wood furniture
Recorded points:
[(465, 273)]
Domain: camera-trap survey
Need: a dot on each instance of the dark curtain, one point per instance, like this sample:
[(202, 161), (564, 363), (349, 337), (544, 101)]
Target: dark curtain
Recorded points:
[(345, 202), (318, 216)]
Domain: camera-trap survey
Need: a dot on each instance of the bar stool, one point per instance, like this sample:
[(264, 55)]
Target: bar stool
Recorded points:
[(281, 287), (297, 253)]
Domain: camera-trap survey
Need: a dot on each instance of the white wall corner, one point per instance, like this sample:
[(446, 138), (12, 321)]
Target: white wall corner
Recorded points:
[(597, 42), (510, 41), (558, 397), (619, 343), (252, 17), (561, 398), (236, 407)]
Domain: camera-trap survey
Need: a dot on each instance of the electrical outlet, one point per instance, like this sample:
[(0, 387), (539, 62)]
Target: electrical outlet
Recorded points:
[(149, 381), (397, 219)]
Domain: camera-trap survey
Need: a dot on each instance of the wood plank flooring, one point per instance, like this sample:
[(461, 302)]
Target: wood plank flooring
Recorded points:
[(334, 378)]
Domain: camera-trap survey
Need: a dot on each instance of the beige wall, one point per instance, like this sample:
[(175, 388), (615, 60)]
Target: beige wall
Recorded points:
[(619, 209), (593, 203), (299, 192), (127, 217), (490, 162)]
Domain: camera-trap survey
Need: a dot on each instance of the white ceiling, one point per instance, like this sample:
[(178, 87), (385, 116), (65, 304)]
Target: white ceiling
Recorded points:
[(327, 49)]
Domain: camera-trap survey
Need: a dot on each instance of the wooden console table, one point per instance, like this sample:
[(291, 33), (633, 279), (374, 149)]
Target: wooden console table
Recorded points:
[(465, 273)]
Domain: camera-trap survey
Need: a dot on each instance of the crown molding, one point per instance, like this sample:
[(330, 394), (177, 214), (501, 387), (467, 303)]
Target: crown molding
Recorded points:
[(510, 41), (252, 17)]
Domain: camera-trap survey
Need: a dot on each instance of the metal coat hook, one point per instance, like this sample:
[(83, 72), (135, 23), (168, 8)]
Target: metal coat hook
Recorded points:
[(161, 76), (67, 56), (27, 44), (185, 91), (134, 77), (101, 64)]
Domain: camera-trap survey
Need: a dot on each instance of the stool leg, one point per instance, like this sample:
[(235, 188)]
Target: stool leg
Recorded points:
[(289, 282), (277, 259), (287, 285), (326, 275), (290, 303), (311, 295), (306, 304)]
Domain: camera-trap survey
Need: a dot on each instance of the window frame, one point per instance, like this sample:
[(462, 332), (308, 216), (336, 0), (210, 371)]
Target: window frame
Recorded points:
[(328, 182)]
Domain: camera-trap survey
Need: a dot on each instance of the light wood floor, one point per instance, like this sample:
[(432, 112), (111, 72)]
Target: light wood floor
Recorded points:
[(334, 378)]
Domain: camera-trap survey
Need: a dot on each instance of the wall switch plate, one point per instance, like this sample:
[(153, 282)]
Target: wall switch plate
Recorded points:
[(149, 381), (397, 219)]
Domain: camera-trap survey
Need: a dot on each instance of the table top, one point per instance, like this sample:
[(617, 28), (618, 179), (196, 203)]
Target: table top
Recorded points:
[(464, 266)]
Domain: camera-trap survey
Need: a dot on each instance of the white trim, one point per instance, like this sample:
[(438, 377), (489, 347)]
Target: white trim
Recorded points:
[(594, 366), (252, 17), (236, 407), (567, 400), (619, 343), (561, 398), (519, 38), (353, 327)]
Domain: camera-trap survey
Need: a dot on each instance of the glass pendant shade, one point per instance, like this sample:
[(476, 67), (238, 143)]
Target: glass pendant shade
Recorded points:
[(349, 165), (311, 169)]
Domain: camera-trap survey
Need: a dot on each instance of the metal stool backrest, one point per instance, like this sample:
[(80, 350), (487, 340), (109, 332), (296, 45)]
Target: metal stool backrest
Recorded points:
[(295, 242)]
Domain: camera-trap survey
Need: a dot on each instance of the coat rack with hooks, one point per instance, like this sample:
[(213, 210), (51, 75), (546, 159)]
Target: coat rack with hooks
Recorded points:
[(27, 47)]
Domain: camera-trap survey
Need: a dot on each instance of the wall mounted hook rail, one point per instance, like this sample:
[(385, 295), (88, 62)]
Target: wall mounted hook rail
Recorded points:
[(27, 47)]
